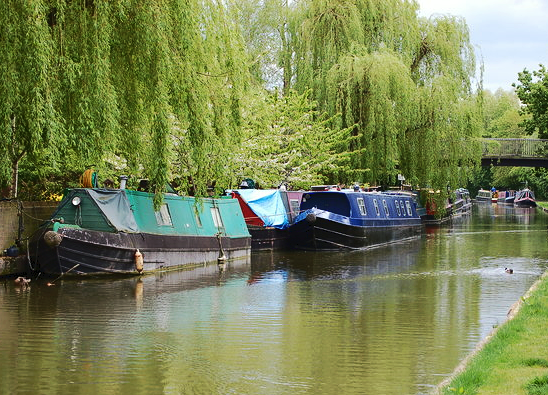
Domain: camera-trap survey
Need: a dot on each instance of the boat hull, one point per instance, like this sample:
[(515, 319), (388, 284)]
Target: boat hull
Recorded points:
[(525, 203), (268, 238), (81, 251), (525, 198), (324, 231), (454, 212)]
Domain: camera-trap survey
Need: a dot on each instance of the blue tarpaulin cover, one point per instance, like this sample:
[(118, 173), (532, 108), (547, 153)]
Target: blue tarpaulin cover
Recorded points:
[(268, 205)]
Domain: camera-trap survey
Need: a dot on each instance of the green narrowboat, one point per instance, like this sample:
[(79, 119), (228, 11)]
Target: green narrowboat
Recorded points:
[(97, 230)]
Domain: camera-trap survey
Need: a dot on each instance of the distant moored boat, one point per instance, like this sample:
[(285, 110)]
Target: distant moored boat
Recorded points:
[(525, 198), (483, 195)]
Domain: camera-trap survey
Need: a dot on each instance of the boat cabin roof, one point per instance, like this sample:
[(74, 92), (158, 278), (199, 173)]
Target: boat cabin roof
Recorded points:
[(125, 210), (360, 204)]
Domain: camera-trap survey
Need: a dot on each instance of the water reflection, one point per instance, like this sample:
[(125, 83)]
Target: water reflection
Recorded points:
[(391, 320), (310, 265)]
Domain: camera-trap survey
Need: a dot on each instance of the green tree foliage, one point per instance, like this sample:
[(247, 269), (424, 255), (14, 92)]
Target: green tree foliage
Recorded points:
[(91, 80), (532, 90), (28, 119), (402, 82), (287, 141), (157, 89), (268, 28), (501, 118)]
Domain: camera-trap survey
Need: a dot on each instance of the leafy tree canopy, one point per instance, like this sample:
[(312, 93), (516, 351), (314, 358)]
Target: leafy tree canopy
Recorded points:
[(163, 90), (501, 117), (84, 81), (402, 82), (532, 90), (287, 141)]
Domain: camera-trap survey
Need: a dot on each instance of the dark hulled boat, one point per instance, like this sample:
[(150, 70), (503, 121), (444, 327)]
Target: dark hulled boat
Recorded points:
[(346, 219), (457, 204), (268, 214), (525, 198), (118, 231)]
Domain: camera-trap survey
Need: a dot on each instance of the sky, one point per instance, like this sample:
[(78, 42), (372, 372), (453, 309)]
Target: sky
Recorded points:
[(509, 35)]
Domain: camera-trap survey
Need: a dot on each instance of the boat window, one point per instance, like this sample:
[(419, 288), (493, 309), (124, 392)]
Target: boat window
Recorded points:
[(295, 205), (402, 208), (217, 220), (398, 208), (361, 206), (163, 217), (376, 207), (408, 205), (386, 211)]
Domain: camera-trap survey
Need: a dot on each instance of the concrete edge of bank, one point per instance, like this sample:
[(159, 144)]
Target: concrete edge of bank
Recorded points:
[(512, 312), (14, 266)]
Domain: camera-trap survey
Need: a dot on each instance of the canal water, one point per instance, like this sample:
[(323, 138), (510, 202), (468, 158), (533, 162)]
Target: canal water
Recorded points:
[(394, 320)]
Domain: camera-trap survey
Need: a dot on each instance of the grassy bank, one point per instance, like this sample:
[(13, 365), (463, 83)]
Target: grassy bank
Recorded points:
[(514, 359)]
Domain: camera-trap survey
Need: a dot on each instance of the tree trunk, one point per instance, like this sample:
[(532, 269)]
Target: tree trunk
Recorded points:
[(15, 175)]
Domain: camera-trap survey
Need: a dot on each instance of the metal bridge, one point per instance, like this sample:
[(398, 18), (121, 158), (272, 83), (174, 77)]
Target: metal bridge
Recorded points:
[(515, 152)]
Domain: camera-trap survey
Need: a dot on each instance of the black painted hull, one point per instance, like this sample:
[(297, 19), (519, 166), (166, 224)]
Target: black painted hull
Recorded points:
[(455, 212), (268, 238), (83, 251), (325, 234), (525, 203)]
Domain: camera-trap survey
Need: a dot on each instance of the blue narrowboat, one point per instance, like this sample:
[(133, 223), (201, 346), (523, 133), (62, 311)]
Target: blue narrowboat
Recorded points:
[(510, 196), (97, 230), (347, 219)]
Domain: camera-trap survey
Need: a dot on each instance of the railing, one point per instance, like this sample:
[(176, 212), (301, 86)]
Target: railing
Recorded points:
[(515, 148)]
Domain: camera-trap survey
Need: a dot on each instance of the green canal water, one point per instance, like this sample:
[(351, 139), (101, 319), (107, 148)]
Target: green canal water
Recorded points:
[(394, 320)]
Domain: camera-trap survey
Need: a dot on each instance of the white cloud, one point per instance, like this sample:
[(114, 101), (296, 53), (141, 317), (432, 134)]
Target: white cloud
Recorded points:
[(511, 34)]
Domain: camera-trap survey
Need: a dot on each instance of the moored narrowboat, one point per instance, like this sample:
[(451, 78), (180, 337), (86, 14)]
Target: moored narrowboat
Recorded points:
[(268, 214), (98, 230), (484, 196), (510, 196), (457, 204), (332, 220), (525, 198)]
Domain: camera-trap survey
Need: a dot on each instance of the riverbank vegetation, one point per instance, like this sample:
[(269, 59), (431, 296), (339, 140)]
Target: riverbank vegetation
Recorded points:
[(504, 117), (202, 92), (515, 360)]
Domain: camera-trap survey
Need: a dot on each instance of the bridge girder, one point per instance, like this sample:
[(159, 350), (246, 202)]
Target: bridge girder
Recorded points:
[(519, 162)]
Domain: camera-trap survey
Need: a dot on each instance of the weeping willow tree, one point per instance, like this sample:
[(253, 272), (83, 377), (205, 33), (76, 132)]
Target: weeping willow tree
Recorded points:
[(402, 82), (266, 29), (28, 119), (93, 79)]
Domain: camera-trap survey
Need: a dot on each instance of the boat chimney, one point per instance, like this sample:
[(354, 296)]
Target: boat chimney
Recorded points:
[(123, 180)]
